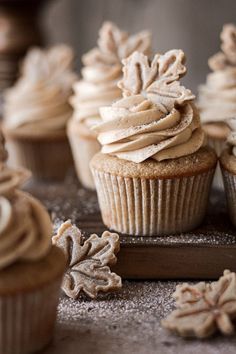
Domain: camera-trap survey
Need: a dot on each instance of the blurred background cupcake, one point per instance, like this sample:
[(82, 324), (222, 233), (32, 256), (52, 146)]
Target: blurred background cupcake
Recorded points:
[(19, 30), (31, 269), (217, 98), (101, 72), (36, 111), (228, 168)]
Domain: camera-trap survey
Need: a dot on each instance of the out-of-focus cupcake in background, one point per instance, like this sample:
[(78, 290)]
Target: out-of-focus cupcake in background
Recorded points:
[(228, 168), (98, 87), (36, 111), (217, 97)]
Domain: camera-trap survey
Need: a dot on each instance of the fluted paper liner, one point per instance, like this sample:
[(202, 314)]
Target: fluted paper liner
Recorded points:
[(218, 145), (83, 149), (230, 192), (146, 207), (27, 319), (47, 158)]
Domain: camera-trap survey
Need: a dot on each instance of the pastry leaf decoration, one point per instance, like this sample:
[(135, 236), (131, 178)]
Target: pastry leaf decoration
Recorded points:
[(55, 63), (115, 45), (204, 308), (88, 263), (227, 57), (157, 80)]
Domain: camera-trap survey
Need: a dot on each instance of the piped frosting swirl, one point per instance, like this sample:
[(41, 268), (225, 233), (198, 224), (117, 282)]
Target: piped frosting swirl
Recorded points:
[(102, 70), (38, 103), (156, 117), (25, 226), (217, 98)]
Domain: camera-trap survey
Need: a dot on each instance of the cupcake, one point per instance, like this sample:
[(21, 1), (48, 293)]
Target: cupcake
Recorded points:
[(31, 269), (217, 98), (228, 168), (98, 87), (153, 174), (36, 111)]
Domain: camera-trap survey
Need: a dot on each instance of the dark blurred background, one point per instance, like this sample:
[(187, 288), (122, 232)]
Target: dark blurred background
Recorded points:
[(192, 25)]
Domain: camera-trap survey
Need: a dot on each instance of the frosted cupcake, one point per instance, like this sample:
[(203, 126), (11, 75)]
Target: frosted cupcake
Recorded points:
[(31, 269), (98, 87), (217, 98), (228, 168), (153, 174), (36, 112)]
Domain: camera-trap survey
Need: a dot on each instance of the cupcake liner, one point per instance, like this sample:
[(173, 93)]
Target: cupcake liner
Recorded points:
[(218, 145), (48, 158), (147, 207), (27, 319), (230, 192), (83, 149)]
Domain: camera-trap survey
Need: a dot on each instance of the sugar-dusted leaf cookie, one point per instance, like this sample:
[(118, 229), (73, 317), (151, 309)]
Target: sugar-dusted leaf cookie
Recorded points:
[(88, 263), (157, 80), (227, 57), (204, 308), (115, 45)]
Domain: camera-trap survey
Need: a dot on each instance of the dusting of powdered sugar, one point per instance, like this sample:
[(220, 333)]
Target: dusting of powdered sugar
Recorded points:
[(127, 322)]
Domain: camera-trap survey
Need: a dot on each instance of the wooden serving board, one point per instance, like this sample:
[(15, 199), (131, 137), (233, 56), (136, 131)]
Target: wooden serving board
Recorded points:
[(202, 254)]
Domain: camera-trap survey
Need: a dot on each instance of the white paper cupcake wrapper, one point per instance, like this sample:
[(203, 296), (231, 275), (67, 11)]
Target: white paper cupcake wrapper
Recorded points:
[(218, 145), (83, 151), (147, 207), (230, 192), (27, 320)]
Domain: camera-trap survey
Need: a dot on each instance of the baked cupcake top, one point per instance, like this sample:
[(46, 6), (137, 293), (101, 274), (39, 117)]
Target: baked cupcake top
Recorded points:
[(25, 226), (102, 70), (217, 98), (156, 117), (38, 102)]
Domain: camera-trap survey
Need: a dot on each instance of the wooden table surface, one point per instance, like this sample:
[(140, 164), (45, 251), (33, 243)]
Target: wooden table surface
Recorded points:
[(128, 321)]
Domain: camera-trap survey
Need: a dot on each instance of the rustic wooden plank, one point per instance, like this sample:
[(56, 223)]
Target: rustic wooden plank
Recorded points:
[(175, 261)]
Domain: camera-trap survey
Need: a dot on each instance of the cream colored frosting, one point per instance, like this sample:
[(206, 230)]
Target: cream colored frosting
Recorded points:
[(102, 70), (156, 118), (25, 226), (38, 103), (217, 98)]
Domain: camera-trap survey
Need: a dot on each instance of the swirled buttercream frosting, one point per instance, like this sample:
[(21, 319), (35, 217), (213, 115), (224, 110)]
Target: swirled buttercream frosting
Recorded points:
[(217, 98), (156, 118), (38, 102), (25, 226), (102, 70)]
